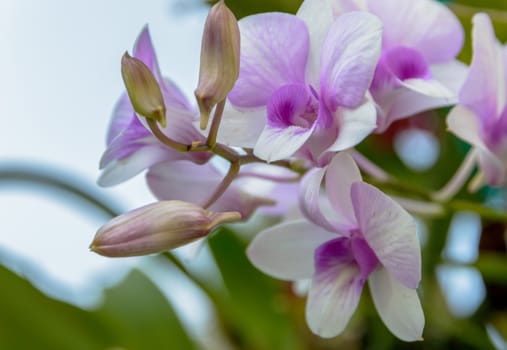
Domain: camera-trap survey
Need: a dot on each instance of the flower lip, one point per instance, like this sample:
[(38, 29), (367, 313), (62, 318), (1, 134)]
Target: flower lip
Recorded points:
[(292, 105)]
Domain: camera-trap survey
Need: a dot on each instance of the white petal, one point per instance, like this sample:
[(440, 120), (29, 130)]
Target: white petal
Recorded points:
[(274, 52), (241, 127), (118, 171), (286, 251), (333, 298), (310, 203), (390, 231), (465, 124), (341, 173), (355, 125), (484, 91), (426, 25), (494, 169), (276, 143), (318, 16), (399, 307), (430, 87), (349, 57), (451, 74)]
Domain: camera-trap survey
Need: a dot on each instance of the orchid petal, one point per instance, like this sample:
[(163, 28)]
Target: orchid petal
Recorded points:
[(355, 125), (437, 34), (286, 251), (123, 114), (399, 307), (143, 50), (484, 90), (494, 169), (341, 173), (466, 125), (451, 74), (310, 202), (318, 16), (403, 103), (428, 87), (188, 182), (335, 290), (390, 231), (120, 170), (288, 124), (274, 52), (134, 137), (349, 55), (241, 127), (276, 143), (174, 97)]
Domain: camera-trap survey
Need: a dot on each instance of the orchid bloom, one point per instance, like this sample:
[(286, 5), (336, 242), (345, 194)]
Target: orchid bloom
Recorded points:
[(480, 118), (131, 146), (369, 238), (417, 70), (296, 105)]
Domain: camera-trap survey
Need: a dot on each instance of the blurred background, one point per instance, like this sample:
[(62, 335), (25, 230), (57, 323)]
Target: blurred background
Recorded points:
[(60, 78)]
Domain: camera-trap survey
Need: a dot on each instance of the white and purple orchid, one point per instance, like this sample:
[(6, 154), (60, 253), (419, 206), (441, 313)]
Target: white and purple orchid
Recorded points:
[(301, 106), (481, 116), (370, 237), (131, 146), (417, 70)]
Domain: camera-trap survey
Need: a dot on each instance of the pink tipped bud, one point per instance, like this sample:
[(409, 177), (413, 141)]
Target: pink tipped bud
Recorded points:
[(157, 227), (143, 89), (219, 68)]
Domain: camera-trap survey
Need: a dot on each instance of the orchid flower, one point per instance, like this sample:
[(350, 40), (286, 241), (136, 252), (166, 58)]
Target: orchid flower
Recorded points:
[(131, 146), (417, 70), (296, 109), (370, 237), (480, 118)]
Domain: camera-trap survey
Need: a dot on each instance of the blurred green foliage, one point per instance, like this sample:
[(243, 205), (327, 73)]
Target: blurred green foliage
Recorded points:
[(134, 315)]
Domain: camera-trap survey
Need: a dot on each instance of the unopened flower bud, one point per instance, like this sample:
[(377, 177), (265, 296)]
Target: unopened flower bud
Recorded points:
[(157, 227), (219, 68), (143, 89)]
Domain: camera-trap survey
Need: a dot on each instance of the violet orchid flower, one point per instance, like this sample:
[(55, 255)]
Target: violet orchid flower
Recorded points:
[(480, 118), (369, 238), (417, 70), (131, 147), (299, 109)]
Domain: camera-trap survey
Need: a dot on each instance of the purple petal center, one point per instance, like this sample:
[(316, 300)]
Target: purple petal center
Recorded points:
[(292, 105), (400, 63), (346, 250), (496, 130)]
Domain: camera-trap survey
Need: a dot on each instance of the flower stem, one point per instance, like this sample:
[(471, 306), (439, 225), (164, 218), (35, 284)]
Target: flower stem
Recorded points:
[(369, 167), (227, 180), (215, 124), (459, 178), (166, 140)]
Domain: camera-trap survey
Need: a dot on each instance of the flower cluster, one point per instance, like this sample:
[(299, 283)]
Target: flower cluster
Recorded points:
[(284, 99)]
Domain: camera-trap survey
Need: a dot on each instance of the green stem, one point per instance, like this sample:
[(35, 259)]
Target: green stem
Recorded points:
[(229, 177), (215, 124)]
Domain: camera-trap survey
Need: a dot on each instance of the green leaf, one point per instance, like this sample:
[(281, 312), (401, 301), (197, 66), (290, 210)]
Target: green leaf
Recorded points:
[(139, 316), (258, 304), (31, 320), (135, 315)]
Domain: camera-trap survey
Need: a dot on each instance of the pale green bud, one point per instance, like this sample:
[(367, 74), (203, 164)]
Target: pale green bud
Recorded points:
[(219, 68), (143, 89), (157, 227)]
